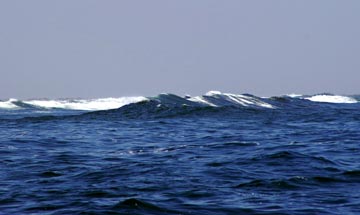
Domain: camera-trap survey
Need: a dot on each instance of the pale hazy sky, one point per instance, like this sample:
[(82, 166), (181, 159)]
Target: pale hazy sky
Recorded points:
[(103, 48)]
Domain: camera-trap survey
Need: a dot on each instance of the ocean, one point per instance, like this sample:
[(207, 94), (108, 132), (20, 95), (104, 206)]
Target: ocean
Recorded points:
[(219, 153)]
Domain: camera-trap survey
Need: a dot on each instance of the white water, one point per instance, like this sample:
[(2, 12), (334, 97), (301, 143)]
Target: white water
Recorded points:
[(8, 104), (201, 100), (76, 104), (90, 105), (294, 95), (216, 98), (332, 99), (211, 98)]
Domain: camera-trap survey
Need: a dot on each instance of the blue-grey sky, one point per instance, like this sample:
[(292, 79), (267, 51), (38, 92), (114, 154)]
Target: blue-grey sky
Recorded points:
[(90, 49)]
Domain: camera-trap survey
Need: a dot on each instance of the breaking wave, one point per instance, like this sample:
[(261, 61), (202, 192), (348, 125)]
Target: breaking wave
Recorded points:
[(327, 98), (10, 104), (216, 98), (73, 104), (210, 99), (332, 99)]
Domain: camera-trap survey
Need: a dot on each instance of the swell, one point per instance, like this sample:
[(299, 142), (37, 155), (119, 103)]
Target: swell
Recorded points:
[(212, 98), (141, 110), (70, 104), (212, 104)]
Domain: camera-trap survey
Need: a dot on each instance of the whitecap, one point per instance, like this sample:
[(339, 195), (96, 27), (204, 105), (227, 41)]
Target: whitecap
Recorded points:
[(294, 95), (332, 99), (212, 93), (88, 105), (201, 100), (218, 99), (9, 104)]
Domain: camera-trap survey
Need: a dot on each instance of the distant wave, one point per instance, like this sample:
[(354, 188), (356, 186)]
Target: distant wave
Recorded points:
[(328, 98), (9, 104), (211, 99), (332, 99), (74, 104), (216, 98), (294, 95)]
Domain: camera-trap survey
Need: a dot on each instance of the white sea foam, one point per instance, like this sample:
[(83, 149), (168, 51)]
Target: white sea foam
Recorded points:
[(332, 99), (212, 93), (248, 100), (216, 98), (8, 104), (89, 105), (201, 100), (212, 98), (294, 95)]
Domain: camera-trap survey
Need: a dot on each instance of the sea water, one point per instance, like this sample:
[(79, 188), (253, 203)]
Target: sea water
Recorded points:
[(213, 154)]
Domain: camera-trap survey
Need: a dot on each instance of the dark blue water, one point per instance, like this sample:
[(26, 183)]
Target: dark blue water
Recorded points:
[(162, 156)]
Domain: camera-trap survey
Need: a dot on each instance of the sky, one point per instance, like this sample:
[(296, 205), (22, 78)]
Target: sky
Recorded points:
[(114, 48)]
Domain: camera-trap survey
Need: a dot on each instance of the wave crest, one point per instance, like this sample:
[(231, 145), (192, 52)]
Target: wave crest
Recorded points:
[(9, 104), (74, 104), (210, 99), (332, 99), (218, 99)]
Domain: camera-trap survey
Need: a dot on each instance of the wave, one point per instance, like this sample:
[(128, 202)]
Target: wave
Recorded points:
[(323, 98), (9, 104), (332, 99), (210, 99), (216, 99), (73, 104), (294, 95)]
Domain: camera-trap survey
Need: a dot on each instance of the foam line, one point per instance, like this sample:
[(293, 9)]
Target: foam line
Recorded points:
[(89, 105), (332, 99), (9, 104)]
